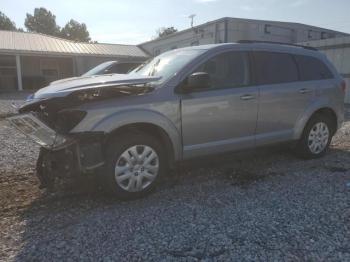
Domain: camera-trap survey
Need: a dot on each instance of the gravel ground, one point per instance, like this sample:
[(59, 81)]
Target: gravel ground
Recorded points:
[(260, 206), (7, 99)]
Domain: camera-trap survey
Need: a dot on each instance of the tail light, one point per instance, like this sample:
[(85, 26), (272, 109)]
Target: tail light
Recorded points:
[(343, 86)]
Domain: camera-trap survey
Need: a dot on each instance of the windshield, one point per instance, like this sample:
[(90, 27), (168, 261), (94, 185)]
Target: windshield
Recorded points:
[(98, 69), (167, 64)]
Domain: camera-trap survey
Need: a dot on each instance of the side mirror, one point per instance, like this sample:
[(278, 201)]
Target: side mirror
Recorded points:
[(198, 80)]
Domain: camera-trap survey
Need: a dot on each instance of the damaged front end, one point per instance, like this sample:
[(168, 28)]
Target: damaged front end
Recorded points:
[(49, 120), (82, 156), (61, 155)]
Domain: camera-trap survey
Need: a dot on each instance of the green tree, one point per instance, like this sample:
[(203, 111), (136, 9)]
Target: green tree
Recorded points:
[(75, 31), (6, 23), (164, 31), (42, 21)]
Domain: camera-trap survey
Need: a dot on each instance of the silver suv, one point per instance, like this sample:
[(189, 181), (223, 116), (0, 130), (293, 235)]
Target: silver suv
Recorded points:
[(186, 103)]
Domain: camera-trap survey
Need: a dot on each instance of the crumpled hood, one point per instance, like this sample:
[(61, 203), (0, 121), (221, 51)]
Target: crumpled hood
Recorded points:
[(62, 89)]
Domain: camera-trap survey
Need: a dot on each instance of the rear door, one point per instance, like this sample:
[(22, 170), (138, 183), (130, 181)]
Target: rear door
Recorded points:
[(223, 117), (283, 97)]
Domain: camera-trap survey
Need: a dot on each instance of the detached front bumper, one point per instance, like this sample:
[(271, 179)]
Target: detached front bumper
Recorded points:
[(30, 125), (61, 155)]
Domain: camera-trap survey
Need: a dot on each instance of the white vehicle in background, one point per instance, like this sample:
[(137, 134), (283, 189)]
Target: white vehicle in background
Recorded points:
[(106, 68)]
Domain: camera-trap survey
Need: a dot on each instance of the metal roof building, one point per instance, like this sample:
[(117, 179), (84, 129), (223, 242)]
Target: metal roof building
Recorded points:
[(34, 43), (229, 29), (31, 60)]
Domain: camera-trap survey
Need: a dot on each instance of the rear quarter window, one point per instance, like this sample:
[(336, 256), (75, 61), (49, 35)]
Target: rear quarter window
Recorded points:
[(311, 68)]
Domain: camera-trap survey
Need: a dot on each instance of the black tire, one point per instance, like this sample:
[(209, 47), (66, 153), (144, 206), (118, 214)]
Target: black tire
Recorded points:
[(115, 148), (302, 148)]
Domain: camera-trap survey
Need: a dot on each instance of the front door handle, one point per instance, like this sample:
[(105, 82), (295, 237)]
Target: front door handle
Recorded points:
[(304, 91), (247, 97)]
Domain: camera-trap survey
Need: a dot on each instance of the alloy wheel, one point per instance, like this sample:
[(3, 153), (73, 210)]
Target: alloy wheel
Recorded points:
[(136, 168), (318, 138)]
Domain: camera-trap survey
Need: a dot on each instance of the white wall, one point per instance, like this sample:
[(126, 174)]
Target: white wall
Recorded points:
[(256, 30), (275, 31)]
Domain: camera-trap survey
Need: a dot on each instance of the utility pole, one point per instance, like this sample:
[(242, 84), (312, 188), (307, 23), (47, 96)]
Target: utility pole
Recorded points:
[(192, 18)]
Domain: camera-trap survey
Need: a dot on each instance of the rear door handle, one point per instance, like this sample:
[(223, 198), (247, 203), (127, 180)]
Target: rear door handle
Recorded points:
[(304, 91), (247, 97)]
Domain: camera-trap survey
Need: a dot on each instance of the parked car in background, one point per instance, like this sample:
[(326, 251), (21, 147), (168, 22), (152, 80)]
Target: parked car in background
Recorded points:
[(186, 103), (112, 67), (109, 67)]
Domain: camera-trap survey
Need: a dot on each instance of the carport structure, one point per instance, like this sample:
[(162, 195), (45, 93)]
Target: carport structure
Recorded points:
[(32, 60)]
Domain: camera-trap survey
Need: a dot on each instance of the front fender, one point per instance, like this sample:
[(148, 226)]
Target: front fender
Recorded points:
[(126, 117)]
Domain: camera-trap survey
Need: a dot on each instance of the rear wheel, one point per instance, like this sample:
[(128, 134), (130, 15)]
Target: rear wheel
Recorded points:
[(135, 162), (316, 137)]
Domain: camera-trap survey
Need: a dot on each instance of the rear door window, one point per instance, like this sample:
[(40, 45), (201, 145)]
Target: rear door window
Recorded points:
[(275, 68), (311, 68)]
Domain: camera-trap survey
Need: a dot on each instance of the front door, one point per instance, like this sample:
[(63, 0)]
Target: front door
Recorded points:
[(223, 117)]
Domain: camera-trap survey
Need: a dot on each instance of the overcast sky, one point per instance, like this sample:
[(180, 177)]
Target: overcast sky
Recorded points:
[(136, 21)]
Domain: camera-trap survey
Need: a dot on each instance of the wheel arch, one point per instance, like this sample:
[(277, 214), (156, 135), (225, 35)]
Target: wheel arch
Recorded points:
[(322, 110), (146, 121), (330, 113), (150, 129)]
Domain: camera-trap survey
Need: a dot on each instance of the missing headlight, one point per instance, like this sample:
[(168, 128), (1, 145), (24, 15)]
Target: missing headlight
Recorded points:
[(67, 119)]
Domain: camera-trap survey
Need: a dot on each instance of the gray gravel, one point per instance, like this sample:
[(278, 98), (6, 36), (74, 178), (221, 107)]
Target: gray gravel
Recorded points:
[(265, 205), (7, 99)]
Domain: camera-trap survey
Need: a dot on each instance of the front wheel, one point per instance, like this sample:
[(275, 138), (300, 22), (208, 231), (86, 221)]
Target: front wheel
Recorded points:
[(316, 137), (135, 162)]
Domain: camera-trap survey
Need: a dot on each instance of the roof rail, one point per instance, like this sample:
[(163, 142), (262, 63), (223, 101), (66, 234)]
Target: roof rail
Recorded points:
[(278, 43)]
